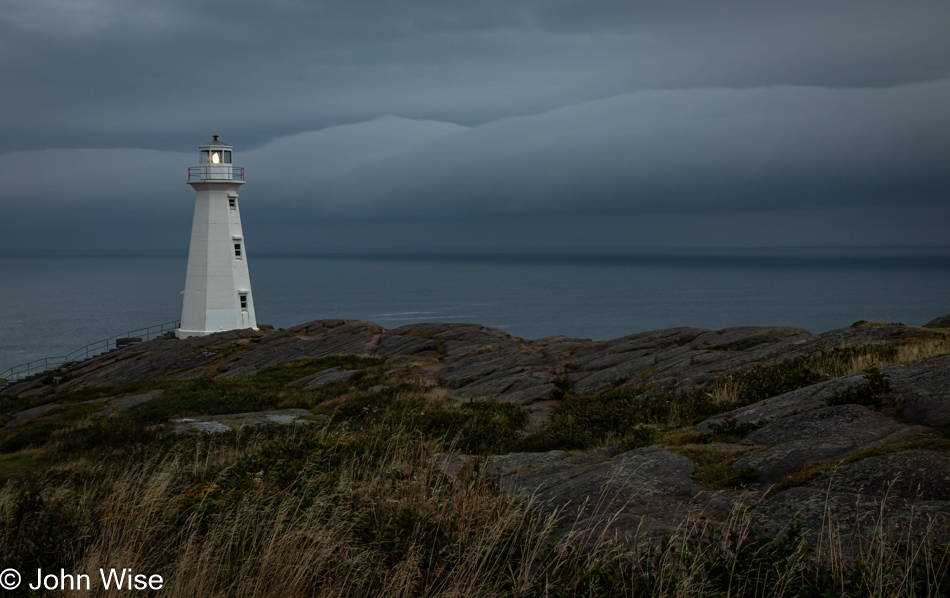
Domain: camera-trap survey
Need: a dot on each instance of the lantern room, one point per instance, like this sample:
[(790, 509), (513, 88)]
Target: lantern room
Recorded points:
[(214, 158), (214, 152)]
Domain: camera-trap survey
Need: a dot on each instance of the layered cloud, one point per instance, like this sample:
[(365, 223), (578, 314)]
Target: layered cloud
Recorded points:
[(651, 151), (150, 74), (513, 113)]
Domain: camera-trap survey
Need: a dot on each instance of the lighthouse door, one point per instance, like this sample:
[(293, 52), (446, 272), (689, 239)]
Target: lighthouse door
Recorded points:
[(245, 317)]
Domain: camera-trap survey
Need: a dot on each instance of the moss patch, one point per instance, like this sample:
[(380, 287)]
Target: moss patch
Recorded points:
[(714, 467)]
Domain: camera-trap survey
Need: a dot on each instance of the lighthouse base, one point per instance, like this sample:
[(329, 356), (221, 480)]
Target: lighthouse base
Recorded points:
[(182, 333)]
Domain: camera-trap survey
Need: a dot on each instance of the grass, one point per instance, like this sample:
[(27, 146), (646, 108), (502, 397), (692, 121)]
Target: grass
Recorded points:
[(610, 417), (18, 465), (917, 349), (40, 430), (205, 396), (613, 415), (479, 427), (714, 467), (329, 512), (353, 505)]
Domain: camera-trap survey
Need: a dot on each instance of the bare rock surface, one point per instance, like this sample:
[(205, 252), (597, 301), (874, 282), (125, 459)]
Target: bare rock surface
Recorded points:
[(910, 475), (127, 402), (650, 491), (853, 520), (784, 405), (474, 361), (819, 434), (647, 488), (899, 495), (324, 377), (214, 424), (26, 415), (922, 390), (804, 428), (939, 322)]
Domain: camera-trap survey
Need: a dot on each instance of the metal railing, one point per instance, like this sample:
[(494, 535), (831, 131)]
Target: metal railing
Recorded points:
[(39, 366), (215, 172)]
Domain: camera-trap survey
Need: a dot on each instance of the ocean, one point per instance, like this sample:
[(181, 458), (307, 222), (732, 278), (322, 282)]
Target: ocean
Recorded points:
[(53, 305)]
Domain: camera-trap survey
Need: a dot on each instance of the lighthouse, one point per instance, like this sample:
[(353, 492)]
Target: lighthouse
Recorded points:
[(217, 293)]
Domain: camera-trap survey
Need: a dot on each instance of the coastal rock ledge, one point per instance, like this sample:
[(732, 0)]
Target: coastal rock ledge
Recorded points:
[(836, 449)]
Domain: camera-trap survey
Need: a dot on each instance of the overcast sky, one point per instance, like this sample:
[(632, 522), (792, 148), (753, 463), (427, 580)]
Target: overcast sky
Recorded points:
[(498, 124)]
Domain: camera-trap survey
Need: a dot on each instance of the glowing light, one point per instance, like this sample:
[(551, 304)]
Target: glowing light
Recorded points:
[(215, 158)]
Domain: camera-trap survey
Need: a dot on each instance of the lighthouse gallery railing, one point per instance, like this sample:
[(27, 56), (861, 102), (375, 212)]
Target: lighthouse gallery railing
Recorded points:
[(215, 172)]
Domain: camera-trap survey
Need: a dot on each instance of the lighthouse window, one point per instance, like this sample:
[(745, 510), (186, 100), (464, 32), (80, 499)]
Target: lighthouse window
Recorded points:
[(215, 157), (243, 297), (232, 203), (237, 250)]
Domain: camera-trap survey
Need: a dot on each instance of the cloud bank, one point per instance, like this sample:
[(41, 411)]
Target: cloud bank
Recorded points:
[(530, 123)]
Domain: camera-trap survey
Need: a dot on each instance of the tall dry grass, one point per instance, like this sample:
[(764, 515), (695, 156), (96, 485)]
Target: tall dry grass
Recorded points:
[(731, 392), (371, 514), (916, 349), (381, 522)]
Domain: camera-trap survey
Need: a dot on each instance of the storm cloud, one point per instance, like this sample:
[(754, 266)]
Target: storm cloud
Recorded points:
[(479, 123)]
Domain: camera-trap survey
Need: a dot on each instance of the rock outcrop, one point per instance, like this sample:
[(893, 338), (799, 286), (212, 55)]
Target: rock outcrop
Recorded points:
[(627, 493), (474, 361), (941, 322), (889, 467)]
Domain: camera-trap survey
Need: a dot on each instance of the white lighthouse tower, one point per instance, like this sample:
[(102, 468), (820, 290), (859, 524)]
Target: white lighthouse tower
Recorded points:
[(217, 284)]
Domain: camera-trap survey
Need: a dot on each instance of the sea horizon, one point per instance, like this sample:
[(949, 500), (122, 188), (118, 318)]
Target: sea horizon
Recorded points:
[(58, 303)]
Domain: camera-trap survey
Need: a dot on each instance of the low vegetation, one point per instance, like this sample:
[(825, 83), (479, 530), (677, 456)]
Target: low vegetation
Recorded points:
[(872, 392), (353, 504), (316, 511)]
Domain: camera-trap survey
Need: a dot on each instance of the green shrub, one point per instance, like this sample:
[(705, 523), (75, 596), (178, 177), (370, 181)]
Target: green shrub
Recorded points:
[(765, 381), (871, 393), (585, 421), (34, 434), (103, 433), (639, 437)]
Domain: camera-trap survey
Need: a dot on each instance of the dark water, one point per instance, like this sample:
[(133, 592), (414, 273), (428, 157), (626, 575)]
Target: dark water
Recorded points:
[(51, 306)]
